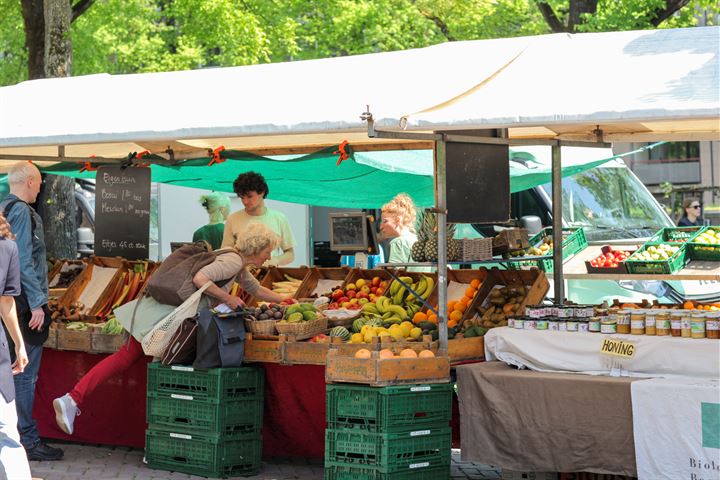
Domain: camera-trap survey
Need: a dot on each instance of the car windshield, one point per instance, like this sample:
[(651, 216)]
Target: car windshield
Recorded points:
[(610, 202)]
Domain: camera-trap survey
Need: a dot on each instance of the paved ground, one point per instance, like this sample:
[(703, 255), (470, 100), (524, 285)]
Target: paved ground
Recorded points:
[(105, 463)]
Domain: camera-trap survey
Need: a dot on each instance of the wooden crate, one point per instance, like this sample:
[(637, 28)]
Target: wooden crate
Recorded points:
[(466, 349), (51, 341), (54, 270), (315, 274), (307, 353), (74, 340), (378, 343), (104, 343), (263, 350), (277, 274), (534, 280), (75, 290), (381, 372)]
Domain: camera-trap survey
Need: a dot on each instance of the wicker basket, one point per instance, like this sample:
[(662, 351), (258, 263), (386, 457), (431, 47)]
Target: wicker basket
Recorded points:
[(476, 249), (260, 327), (304, 330), (341, 321)]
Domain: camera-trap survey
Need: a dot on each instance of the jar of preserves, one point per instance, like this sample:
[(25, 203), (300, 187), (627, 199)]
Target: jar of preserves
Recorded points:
[(637, 322), (685, 322), (553, 324), (622, 318), (650, 322), (583, 325), (662, 323), (697, 325), (520, 323), (676, 323), (572, 324), (530, 324), (608, 326), (541, 324), (712, 325), (594, 324)]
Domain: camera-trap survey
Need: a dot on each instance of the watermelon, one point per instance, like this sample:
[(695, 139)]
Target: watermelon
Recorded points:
[(341, 332), (358, 324)]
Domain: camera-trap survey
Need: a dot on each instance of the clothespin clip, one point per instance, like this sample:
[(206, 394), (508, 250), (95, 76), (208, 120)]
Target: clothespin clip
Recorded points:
[(341, 153), (87, 166), (216, 157), (139, 157)]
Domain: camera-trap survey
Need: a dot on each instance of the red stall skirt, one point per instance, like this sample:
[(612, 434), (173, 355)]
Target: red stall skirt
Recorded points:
[(293, 424)]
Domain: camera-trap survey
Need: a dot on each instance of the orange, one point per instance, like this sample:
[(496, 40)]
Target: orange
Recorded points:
[(475, 283), (451, 304), (460, 307), (456, 315), (452, 323), (386, 353), (470, 292), (688, 305), (419, 317), (432, 318), (408, 353), (363, 353), (426, 354)]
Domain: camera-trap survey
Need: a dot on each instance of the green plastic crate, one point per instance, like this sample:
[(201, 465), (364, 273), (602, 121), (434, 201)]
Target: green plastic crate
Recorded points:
[(573, 243), (703, 251), (345, 472), (388, 409), (674, 235), (389, 452), (671, 265), (203, 455), (214, 385), (231, 418)]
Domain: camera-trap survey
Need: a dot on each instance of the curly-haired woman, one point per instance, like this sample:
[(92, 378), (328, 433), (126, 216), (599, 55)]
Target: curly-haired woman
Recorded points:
[(398, 224)]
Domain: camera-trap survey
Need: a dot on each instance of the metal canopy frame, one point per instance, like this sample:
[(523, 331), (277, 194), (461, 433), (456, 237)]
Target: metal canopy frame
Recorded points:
[(440, 140)]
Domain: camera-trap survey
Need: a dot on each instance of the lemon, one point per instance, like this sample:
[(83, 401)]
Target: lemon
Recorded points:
[(356, 338), (415, 333)]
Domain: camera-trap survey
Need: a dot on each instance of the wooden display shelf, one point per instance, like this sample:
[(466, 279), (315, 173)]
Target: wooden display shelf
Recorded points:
[(277, 274), (575, 268), (268, 349), (381, 372), (534, 280), (315, 274), (74, 340), (104, 343), (51, 341)]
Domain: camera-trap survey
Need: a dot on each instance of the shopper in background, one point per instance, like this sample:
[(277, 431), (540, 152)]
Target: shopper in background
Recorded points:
[(691, 218), (397, 225), (252, 190), (13, 459), (217, 205), (252, 248), (32, 311)]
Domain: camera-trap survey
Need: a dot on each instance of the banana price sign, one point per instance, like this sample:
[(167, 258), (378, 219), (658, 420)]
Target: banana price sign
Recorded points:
[(618, 347)]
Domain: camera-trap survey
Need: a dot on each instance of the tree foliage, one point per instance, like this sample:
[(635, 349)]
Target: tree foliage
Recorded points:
[(129, 36)]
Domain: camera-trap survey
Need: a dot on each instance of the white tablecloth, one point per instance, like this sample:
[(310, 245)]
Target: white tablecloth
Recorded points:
[(553, 351)]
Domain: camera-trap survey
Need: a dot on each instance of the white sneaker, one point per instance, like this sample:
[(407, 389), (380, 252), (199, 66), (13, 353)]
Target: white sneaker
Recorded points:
[(65, 412)]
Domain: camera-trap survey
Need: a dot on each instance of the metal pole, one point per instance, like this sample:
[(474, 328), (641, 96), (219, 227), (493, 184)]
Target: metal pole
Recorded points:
[(557, 224), (441, 206)]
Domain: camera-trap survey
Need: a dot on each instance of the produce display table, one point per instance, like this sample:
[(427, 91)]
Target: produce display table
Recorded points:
[(293, 424), (545, 422), (574, 269), (652, 356)]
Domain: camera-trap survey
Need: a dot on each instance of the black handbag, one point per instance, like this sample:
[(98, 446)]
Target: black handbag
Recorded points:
[(183, 344), (220, 339)]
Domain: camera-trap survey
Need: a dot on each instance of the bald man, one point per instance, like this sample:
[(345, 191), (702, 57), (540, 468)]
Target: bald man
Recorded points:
[(25, 182)]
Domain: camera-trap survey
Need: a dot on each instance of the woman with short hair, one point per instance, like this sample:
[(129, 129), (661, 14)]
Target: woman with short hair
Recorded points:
[(253, 248), (691, 216)]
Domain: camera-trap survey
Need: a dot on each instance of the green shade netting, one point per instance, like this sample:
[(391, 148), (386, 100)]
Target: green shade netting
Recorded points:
[(364, 180)]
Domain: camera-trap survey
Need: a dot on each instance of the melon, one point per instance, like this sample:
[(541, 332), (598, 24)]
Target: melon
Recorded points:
[(340, 332), (358, 324)]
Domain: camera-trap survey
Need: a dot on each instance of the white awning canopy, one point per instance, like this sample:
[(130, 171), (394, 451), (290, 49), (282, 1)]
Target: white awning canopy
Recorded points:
[(633, 86)]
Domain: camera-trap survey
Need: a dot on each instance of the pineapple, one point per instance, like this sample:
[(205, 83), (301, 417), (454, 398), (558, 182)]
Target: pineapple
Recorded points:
[(427, 248), (424, 232)]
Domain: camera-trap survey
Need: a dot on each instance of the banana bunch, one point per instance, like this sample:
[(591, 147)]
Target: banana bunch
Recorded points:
[(288, 286), (112, 327), (422, 287)]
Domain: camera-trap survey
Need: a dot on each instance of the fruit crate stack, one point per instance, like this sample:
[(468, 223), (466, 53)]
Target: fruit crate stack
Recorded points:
[(388, 433), (204, 422), (574, 241)]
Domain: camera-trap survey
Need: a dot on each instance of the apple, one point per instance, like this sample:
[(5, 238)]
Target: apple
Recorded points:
[(320, 338), (379, 291), (351, 294), (373, 289), (365, 289), (354, 301), (372, 297), (337, 294), (375, 282), (362, 295), (355, 306), (343, 299), (360, 282), (346, 304), (350, 286), (333, 306), (362, 301), (384, 284)]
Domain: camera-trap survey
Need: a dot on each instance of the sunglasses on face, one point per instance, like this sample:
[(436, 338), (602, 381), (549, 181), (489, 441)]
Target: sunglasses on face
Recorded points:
[(694, 206)]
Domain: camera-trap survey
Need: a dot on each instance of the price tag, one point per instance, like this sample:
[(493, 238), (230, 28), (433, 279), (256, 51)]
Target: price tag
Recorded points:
[(181, 435), (177, 396), (420, 389), (182, 368), (419, 465), (418, 433), (618, 348)]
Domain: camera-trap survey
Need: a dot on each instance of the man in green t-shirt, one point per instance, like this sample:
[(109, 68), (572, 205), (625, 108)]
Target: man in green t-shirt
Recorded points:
[(252, 190)]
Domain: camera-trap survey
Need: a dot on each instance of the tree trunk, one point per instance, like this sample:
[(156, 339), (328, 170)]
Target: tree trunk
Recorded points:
[(56, 206), (57, 200), (34, 20), (58, 48)]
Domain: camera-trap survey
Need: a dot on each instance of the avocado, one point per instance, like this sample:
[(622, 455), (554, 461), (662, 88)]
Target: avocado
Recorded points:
[(309, 315), (427, 326)]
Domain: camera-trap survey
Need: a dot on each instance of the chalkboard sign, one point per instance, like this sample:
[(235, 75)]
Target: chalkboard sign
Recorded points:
[(122, 212), (478, 183)]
